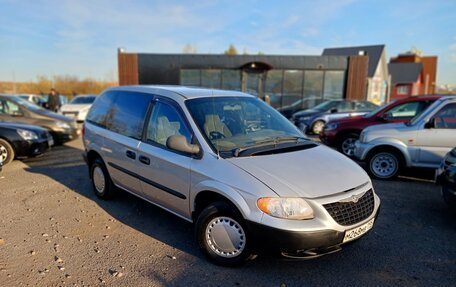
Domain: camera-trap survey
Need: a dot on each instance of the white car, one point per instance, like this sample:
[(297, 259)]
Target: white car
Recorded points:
[(78, 107), (422, 142)]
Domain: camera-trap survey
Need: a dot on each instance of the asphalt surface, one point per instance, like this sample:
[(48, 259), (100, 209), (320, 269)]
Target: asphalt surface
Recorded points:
[(55, 232)]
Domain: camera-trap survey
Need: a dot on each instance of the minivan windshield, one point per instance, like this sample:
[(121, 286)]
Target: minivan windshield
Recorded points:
[(233, 123)]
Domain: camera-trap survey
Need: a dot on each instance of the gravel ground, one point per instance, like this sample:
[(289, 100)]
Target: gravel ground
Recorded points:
[(55, 232)]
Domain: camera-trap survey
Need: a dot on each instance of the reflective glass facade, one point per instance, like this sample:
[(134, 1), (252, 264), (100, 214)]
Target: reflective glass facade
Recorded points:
[(286, 89)]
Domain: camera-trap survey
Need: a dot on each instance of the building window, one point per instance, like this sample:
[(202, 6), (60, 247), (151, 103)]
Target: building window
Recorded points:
[(334, 85), (273, 87), (403, 90), (292, 88), (211, 79), (313, 88), (190, 78), (231, 80)]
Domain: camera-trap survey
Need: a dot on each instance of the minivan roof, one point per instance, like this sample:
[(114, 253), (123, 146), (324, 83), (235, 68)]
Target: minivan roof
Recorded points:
[(185, 92)]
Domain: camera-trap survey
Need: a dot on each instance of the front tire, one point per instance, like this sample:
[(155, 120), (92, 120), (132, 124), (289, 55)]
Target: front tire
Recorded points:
[(384, 165), (101, 181), (318, 126), (222, 235), (6, 152)]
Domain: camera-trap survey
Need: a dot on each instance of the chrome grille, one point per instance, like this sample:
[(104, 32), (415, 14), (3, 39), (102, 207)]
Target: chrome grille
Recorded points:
[(348, 213)]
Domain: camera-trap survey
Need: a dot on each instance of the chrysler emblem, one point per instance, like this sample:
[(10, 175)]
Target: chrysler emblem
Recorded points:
[(354, 198)]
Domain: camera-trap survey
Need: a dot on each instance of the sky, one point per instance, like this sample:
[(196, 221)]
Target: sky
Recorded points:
[(80, 38)]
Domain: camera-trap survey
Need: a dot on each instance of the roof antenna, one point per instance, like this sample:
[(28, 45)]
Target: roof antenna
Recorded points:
[(213, 121)]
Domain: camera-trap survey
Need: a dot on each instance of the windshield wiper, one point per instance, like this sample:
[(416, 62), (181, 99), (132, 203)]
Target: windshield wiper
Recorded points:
[(274, 141)]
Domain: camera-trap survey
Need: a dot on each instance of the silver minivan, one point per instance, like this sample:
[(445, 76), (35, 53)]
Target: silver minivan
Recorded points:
[(231, 164)]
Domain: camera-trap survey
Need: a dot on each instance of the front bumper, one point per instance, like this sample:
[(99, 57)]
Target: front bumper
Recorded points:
[(328, 137), (299, 244), (31, 148), (361, 150), (65, 135)]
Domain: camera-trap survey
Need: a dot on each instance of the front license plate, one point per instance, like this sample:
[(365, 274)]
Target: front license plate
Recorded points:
[(358, 231)]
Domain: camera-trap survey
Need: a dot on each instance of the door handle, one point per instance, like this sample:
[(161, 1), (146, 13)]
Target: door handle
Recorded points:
[(131, 154), (144, 160)]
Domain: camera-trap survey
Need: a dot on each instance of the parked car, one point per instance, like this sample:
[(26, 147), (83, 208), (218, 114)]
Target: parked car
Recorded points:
[(446, 177), (343, 133), (299, 105), (421, 142), (15, 109), (36, 99), (78, 107), (232, 165), (21, 141), (313, 120)]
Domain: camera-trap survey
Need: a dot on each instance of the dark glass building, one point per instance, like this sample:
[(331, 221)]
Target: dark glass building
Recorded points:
[(287, 82)]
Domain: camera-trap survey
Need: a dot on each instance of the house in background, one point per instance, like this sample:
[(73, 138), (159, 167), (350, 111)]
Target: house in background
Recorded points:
[(405, 79), (377, 78), (412, 74)]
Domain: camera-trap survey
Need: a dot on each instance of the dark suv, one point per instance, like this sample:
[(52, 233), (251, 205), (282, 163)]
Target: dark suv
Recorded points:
[(343, 133)]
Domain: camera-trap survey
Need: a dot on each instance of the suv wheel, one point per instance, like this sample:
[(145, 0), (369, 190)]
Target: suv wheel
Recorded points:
[(384, 165), (347, 144), (222, 236), (318, 126), (101, 181), (6, 152)]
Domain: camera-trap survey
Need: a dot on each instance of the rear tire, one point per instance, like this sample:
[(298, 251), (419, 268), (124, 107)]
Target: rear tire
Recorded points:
[(222, 236), (6, 152), (384, 164), (346, 144), (101, 181)]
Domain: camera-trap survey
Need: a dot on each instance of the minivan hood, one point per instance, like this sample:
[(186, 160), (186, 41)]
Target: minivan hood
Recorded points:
[(310, 173)]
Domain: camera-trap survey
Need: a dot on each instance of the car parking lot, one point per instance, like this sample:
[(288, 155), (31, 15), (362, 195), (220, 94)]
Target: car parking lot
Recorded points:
[(55, 231)]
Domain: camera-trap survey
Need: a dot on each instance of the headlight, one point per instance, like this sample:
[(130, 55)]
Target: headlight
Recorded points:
[(288, 208), (27, 135), (330, 126), (63, 125)]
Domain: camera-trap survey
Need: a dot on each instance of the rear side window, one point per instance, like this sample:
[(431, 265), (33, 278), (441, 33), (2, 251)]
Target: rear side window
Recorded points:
[(128, 113), (98, 114), (120, 112)]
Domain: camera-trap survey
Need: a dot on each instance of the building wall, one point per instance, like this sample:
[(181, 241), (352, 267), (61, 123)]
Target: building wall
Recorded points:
[(287, 81), (378, 85)]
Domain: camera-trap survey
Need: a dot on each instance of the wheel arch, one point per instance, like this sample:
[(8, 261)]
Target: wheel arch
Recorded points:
[(391, 148), (206, 193)]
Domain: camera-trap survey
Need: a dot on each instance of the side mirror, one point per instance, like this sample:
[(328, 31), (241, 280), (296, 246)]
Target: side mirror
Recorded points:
[(430, 124), (387, 117), (179, 143), (333, 110)]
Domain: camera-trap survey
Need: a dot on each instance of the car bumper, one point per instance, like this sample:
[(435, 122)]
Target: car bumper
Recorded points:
[(361, 150), (328, 137), (32, 148), (65, 135), (303, 244)]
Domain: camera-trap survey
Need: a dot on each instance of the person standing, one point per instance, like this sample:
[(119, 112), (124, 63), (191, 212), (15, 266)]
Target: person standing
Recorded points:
[(54, 100)]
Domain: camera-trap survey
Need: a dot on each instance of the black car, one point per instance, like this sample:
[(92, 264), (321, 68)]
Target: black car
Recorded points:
[(22, 141), (16, 109), (446, 177)]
